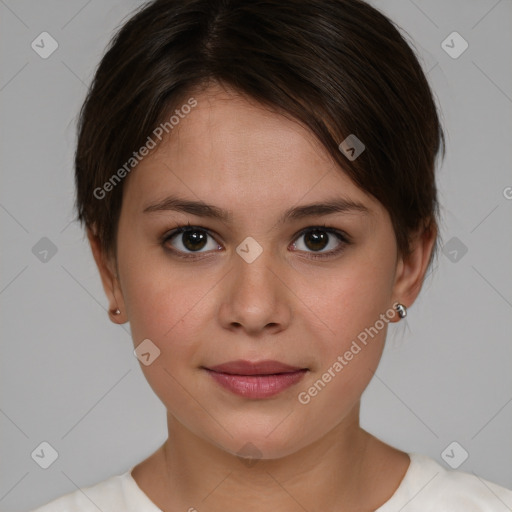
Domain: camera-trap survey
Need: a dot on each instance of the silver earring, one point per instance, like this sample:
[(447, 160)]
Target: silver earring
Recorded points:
[(402, 310), (116, 312)]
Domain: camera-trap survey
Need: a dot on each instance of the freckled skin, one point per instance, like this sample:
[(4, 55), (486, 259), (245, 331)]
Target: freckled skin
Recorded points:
[(286, 306)]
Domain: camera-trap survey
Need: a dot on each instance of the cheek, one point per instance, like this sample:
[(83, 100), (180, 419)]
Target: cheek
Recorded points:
[(356, 305), (160, 306), (348, 358), (356, 297), (163, 307), (168, 306), (155, 293)]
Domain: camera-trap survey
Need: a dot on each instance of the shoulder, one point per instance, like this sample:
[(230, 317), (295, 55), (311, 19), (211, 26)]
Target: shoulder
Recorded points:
[(428, 486), (110, 494)]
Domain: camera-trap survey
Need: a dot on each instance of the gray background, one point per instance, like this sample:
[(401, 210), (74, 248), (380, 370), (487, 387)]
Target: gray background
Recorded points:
[(68, 375)]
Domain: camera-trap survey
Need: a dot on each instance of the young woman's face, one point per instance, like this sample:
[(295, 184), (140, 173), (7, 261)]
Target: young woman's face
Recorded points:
[(259, 284)]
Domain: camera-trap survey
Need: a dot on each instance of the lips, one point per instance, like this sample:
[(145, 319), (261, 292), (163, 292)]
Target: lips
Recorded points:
[(262, 379), (266, 367)]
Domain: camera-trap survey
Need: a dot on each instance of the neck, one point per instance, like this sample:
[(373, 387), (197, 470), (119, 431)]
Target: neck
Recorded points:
[(333, 473)]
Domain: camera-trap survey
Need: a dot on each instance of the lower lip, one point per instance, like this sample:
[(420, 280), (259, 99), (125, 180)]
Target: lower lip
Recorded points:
[(257, 386)]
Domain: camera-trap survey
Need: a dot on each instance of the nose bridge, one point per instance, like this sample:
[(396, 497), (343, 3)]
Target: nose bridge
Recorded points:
[(255, 297), (255, 268)]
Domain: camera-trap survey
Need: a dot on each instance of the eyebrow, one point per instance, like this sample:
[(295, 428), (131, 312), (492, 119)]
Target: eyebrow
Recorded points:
[(202, 209)]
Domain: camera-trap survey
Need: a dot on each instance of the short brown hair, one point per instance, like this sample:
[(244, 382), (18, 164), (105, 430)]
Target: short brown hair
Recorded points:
[(340, 67)]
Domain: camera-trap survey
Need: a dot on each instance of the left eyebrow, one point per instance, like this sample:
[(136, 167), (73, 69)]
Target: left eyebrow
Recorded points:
[(329, 207), (202, 209)]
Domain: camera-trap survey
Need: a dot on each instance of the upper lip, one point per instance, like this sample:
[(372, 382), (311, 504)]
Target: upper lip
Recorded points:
[(267, 367)]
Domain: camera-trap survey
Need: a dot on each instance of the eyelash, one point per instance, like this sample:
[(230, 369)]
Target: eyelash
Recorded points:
[(340, 235)]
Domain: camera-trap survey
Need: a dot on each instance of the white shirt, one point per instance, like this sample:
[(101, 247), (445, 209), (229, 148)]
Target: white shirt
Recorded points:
[(426, 487)]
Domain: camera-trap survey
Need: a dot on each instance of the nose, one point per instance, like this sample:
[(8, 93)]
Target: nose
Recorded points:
[(255, 298)]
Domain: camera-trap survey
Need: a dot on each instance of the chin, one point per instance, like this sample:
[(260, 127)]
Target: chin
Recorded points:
[(257, 441)]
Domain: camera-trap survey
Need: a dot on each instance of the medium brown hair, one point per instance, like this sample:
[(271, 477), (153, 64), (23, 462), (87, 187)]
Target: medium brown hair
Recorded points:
[(340, 67)]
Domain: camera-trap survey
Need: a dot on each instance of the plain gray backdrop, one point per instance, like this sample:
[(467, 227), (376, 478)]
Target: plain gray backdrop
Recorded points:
[(69, 376)]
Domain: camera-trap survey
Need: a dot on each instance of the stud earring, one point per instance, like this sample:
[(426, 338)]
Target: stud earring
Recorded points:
[(402, 310), (116, 311)]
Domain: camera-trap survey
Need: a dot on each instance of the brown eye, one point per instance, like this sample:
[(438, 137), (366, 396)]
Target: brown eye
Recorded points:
[(193, 240), (317, 239), (189, 240)]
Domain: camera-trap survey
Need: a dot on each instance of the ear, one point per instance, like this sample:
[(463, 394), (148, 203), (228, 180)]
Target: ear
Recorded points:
[(109, 279), (411, 269)]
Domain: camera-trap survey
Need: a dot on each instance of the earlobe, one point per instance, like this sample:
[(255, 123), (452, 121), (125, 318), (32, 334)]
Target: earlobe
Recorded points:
[(109, 279)]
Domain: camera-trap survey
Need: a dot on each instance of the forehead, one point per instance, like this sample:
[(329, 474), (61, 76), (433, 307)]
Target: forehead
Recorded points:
[(228, 126), (234, 149)]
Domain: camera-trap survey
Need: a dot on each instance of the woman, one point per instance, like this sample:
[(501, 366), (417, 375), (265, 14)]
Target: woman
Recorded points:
[(257, 182)]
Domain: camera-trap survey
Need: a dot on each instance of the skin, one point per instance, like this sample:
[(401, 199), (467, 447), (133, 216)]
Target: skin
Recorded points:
[(233, 153)]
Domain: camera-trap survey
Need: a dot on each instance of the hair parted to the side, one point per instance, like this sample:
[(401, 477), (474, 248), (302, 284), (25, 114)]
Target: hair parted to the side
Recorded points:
[(339, 67)]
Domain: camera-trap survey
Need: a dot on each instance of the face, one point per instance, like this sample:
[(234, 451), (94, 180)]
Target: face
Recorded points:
[(256, 283)]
